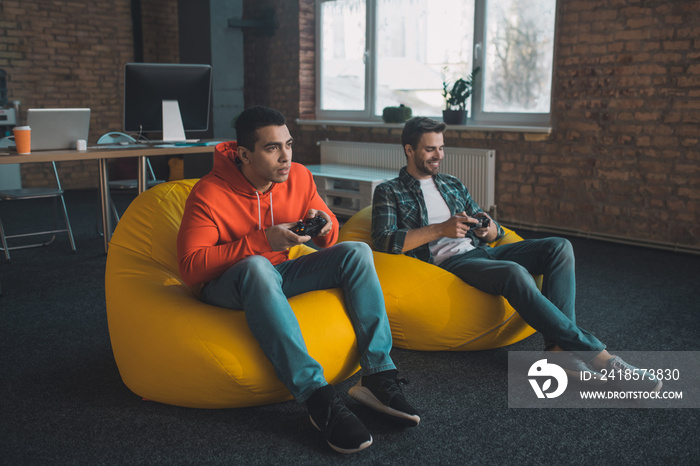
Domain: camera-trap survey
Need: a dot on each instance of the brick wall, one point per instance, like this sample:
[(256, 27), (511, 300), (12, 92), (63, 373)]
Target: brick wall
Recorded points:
[(160, 31), (272, 63), (623, 156), (72, 54)]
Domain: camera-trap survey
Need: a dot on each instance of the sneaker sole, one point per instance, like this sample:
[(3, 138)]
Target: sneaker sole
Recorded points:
[(345, 451), (367, 398)]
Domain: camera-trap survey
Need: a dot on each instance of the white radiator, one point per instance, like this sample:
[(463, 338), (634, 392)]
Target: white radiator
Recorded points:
[(475, 167)]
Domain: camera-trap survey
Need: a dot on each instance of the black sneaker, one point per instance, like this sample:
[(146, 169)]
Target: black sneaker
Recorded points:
[(627, 377), (343, 431), (575, 368), (381, 392)]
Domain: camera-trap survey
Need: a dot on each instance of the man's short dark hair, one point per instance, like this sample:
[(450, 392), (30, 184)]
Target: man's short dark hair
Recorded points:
[(416, 127), (252, 119)]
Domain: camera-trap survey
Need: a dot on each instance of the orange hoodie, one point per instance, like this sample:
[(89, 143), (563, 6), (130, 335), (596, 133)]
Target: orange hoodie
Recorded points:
[(225, 217)]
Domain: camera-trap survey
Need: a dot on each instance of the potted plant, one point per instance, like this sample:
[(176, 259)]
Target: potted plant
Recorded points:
[(396, 114), (456, 112)]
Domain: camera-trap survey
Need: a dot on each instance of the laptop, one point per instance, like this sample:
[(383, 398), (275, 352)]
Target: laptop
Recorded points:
[(58, 128)]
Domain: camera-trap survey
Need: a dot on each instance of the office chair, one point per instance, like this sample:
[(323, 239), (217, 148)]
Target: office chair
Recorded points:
[(128, 185), (22, 194)]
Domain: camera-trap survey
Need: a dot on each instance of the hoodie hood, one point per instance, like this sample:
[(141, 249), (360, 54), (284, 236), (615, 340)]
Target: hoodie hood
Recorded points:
[(227, 168)]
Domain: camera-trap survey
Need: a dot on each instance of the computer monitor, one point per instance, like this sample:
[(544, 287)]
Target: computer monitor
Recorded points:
[(168, 98)]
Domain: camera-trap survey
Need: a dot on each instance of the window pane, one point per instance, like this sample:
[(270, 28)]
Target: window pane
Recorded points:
[(519, 53), (342, 55), (418, 41)]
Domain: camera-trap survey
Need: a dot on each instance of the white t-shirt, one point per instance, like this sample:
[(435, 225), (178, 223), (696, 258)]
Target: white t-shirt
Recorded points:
[(438, 212)]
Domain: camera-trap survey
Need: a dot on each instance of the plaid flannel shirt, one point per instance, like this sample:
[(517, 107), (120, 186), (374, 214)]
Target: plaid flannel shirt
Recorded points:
[(398, 206)]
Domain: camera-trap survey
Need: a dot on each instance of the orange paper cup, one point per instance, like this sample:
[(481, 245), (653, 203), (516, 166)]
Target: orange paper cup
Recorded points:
[(23, 139)]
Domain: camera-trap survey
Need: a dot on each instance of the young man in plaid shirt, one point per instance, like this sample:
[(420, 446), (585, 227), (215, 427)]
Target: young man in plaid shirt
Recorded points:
[(431, 216)]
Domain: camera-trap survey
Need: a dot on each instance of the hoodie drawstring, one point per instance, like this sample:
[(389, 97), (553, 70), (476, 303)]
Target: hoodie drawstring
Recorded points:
[(272, 211), (259, 214)]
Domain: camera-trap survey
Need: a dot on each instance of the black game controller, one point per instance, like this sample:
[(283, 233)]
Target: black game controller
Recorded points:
[(484, 222), (310, 226)]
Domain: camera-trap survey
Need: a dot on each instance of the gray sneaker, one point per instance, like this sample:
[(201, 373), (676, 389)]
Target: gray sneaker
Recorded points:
[(627, 377), (575, 368)]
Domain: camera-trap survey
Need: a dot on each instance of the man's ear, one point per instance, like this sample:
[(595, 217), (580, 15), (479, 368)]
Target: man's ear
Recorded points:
[(243, 154), (408, 149)]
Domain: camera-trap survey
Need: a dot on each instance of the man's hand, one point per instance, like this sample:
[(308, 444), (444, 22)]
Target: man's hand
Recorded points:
[(319, 213), (458, 225), (455, 226), (489, 233), (281, 237)]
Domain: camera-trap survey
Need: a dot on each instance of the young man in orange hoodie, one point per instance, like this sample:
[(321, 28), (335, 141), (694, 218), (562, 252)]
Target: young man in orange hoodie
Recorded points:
[(234, 241)]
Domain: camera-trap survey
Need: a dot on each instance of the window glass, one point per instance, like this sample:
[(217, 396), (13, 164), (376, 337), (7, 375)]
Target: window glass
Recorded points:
[(519, 53), (420, 42), (342, 51)]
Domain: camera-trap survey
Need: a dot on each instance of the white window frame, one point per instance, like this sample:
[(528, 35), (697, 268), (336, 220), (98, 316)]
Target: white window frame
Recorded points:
[(476, 116)]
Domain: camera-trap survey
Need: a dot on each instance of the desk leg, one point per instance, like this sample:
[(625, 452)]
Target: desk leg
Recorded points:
[(104, 195), (104, 201), (141, 180)]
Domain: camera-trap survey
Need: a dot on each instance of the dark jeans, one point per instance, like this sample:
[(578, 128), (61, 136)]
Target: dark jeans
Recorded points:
[(507, 271)]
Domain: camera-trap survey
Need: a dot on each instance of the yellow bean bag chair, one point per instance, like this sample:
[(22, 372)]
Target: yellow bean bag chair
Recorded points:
[(431, 309), (172, 348)]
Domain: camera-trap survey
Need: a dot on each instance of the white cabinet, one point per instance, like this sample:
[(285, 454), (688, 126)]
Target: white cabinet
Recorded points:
[(347, 189)]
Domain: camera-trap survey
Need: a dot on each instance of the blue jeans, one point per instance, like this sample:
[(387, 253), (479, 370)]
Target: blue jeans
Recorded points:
[(507, 271), (261, 290)]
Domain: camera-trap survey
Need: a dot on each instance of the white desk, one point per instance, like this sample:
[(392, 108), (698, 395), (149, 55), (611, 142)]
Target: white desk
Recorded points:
[(102, 155)]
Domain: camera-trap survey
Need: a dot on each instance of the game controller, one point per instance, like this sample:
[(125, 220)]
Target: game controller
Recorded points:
[(310, 226), (484, 222)]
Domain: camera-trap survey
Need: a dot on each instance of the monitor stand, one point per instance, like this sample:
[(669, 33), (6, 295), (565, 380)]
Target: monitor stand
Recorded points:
[(173, 130)]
